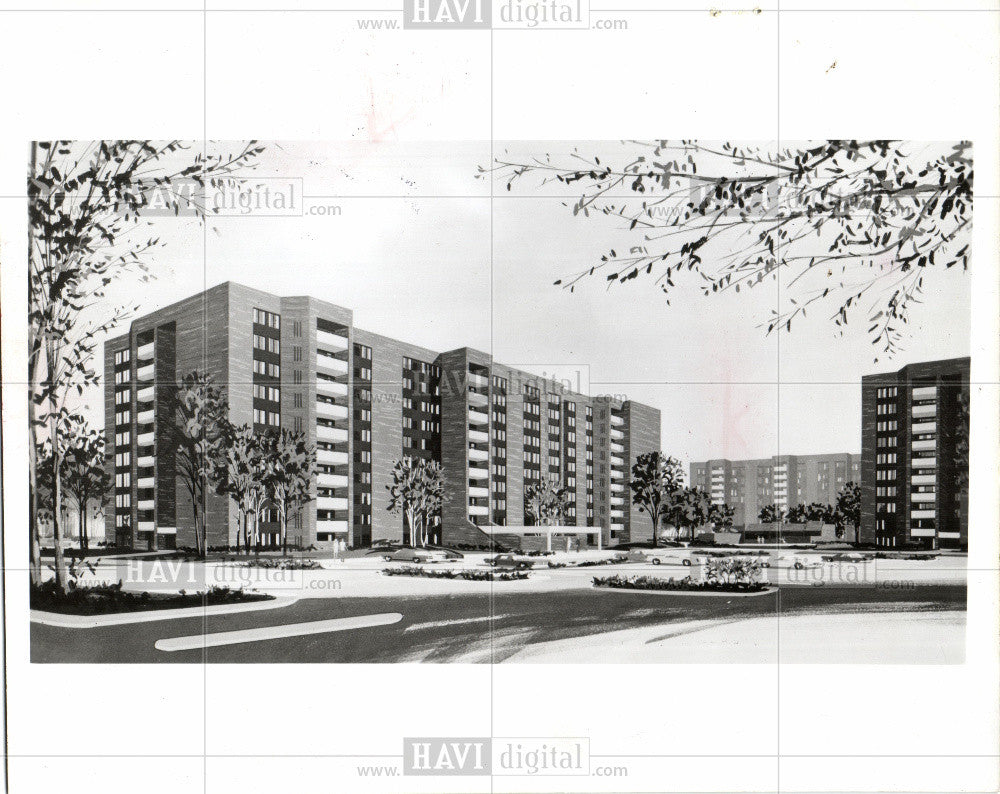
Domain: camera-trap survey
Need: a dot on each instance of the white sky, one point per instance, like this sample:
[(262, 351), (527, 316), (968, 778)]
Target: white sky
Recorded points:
[(411, 255)]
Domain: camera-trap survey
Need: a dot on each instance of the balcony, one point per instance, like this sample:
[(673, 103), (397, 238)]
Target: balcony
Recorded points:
[(146, 504), (924, 463), (324, 480), (475, 398), (331, 411), (925, 393), (617, 525), (617, 435), (332, 366), (619, 448), (144, 352), (146, 482), (928, 443), (923, 479), (331, 503), (146, 439), (923, 496), (617, 461), (478, 473), (478, 492), (146, 462), (617, 486), (617, 500), (924, 427), (922, 532), (331, 388), (145, 373), (335, 435), (478, 417), (479, 437), (921, 514), (146, 526), (332, 342), (479, 454), (923, 411), (478, 510), (617, 421), (145, 417), (329, 457), (479, 381), (331, 526), (145, 395), (617, 513)]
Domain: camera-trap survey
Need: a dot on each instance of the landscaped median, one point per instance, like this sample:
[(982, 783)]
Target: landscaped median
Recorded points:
[(469, 575), (653, 584)]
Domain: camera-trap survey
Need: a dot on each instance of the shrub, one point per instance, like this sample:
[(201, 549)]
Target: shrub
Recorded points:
[(620, 582), (283, 564), (104, 599), (620, 558), (733, 570), (468, 575)]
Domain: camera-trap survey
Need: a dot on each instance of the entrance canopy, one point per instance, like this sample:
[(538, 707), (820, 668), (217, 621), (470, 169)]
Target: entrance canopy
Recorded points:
[(548, 531)]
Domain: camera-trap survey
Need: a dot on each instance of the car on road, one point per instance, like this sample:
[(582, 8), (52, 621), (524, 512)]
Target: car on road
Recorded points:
[(800, 561), (509, 561), (842, 557), (415, 555)]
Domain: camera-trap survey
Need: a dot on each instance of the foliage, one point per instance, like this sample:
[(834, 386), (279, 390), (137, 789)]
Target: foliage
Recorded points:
[(105, 599), (843, 223), (847, 511), (772, 514), (201, 422), (466, 574), (546, 501), (240, 473), (417, 489), (733, 571), (290, 466), (815, 511), (654, 477), (284, 564), (619, 582), (962, 446), (86, 203)]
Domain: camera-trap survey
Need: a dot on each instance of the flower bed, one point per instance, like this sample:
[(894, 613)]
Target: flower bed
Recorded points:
[(620, 582), (284, 564), (470, 575), (107, 599), (612, 561)]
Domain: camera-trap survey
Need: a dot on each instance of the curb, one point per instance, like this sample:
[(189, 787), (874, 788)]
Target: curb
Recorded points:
[(63, 621)]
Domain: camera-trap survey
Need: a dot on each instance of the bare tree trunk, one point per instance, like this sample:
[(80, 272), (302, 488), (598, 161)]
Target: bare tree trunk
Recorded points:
[(59, 559), (284, 532), (83, 527)]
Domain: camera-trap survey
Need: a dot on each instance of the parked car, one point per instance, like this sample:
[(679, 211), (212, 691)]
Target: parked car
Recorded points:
[(415, 556), (509, 561), (667, 559), (842, 557), (800, 561)]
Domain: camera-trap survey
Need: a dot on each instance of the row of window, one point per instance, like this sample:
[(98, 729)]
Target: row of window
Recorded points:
[(266, 368), (262, 417), (270, 319), (123, 357), (270, 393), (267, 343)]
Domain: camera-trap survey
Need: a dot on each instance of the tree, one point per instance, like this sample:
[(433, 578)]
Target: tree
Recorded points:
[(962, 447), (86, 202), (844, 223), (815, 511), (690, 508), (239, 472), (416, 490), (432, 488), (654, 477), (83, 471), (772, 514), (546, 501), (201, 422), (847, 511), (290, 463)]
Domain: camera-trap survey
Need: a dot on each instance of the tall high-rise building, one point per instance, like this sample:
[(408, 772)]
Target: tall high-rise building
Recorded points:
[(783, 481), (365, 401), (912, 422)]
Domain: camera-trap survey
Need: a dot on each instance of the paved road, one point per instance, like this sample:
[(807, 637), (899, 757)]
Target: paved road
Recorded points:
[(446, 628)]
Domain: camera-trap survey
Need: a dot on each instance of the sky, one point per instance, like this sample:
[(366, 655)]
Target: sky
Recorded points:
[(412, 250)]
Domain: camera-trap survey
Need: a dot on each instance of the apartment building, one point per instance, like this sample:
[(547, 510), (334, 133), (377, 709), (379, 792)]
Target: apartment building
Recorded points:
[(783, 480), (365, 401), (911, 423)]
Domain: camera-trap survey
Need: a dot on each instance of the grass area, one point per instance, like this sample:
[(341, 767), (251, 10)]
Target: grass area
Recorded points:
[(687, 584), (471, 576), (110, 599)]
